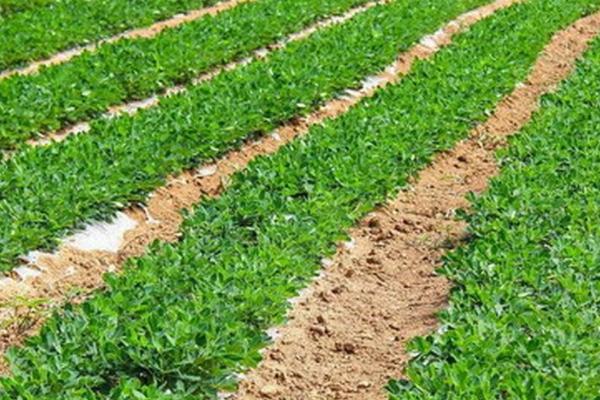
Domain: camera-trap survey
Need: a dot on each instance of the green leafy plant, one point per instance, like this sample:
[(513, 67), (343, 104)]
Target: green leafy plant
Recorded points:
[(8, 7), (41, 31), (22, 313)]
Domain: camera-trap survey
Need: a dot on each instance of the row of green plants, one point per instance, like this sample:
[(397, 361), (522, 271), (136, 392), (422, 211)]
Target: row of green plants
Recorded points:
[(525, 310), (135, 69), (46, 191), (9, 7), (39, 32), (181, 320)]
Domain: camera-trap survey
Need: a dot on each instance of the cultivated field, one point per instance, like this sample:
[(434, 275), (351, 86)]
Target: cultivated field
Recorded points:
[(299, 199)]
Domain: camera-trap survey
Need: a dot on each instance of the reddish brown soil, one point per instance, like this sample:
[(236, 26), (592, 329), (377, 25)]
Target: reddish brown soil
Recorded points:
[(346, 338), (71, 270)]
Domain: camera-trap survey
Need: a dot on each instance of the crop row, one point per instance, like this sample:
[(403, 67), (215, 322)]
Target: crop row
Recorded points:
[(182, 319), (42, 31), (523, 320), (48, 190), (139, 68)]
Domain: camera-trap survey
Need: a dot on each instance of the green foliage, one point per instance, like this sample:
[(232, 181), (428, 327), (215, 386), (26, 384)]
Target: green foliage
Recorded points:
[(524, 316), (42, 31), (46, 191), (182, 319), (8, 7), (138, 68)]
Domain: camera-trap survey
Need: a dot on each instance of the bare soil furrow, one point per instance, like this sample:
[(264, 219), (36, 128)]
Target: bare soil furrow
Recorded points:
[(146, 32), (346, 337), (77, 267), (134, 106)]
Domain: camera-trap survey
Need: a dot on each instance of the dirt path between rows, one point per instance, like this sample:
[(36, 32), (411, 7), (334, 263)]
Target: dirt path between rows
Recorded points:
[(346, 337), (152, 101), (72, 273), (145, 32)]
